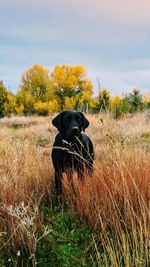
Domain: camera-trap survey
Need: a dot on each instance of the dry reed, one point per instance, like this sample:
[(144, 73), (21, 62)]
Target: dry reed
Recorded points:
[(114, 202)]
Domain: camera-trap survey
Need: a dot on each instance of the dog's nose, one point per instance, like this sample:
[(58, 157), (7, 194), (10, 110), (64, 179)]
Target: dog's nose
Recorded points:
[(75, 130)]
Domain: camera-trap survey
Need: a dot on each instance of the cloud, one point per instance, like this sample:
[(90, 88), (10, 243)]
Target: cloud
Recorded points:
[(126, 11), (111, 38)]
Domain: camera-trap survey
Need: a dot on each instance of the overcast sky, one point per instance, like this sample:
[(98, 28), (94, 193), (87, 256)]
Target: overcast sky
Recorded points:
[(111, 38)]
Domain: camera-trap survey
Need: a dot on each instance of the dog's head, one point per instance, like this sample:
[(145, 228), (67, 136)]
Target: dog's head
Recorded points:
[(70, 123)]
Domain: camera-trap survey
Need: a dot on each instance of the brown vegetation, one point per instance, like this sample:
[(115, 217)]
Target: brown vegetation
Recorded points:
[(114, 202)]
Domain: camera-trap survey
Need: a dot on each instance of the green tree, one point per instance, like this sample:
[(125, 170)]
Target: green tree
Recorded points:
[(70, 82), (126, 106), (135, 100), (3, 99)]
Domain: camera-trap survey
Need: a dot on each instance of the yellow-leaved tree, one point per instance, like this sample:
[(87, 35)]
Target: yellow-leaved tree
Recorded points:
[(10, 105), (27, 100), (45, 108), (71, 82), (69, 103), (146, 100), (35, 86), (20, 109), (103, 100), (115, 106)]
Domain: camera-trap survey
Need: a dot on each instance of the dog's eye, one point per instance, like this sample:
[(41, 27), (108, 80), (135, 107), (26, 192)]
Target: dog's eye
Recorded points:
[(78, 119), (67, 119)]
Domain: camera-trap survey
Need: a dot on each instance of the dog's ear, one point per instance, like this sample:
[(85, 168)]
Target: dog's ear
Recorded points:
[(57, 121), (85, 122)]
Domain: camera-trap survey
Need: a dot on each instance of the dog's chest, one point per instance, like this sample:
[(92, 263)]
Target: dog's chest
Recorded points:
[(72, 157)]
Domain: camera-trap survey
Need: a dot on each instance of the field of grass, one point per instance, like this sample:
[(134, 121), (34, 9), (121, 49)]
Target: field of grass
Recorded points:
[(105, 223)]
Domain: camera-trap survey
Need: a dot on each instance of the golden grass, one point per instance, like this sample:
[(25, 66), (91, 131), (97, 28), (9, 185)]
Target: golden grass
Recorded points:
[(114, 202)]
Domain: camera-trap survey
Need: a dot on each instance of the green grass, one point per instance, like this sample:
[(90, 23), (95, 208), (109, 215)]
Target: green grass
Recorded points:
[(67, 245), (68, 241)]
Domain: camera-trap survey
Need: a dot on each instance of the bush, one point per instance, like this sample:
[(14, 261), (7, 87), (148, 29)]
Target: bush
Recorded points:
[(45, 108), (3, 99)]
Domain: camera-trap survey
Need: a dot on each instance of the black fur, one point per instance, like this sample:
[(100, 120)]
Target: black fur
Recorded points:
[(72, 149)]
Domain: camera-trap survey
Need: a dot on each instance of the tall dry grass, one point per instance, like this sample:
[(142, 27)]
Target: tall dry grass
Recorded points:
[(26, 177), (114, 202)]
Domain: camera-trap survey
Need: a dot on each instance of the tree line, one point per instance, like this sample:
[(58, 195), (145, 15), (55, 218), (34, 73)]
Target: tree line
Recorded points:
[(43, 92)]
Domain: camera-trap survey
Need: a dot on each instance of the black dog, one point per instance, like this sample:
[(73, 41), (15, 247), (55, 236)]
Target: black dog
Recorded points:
[(72, 149)]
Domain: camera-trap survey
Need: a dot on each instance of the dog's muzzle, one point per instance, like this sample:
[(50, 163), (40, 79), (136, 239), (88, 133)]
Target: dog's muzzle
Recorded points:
[(75, 130)]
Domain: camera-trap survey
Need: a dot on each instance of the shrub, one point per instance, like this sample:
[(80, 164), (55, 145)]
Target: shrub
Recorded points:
[(45, 108), (3, 99)]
